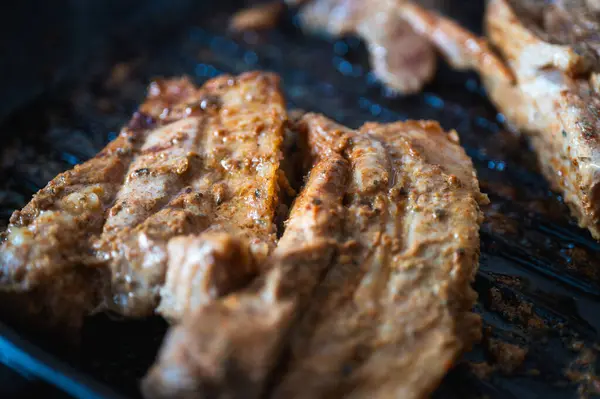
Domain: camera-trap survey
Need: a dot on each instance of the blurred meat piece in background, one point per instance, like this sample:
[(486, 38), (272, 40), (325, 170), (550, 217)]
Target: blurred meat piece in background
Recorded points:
[(402, 37)]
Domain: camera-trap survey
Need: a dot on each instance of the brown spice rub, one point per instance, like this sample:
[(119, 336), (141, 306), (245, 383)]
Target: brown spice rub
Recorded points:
[(192, 159), (389, 216)]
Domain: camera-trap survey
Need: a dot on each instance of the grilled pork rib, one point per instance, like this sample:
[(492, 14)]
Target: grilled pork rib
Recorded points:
[(392, 311), (553, 50), (191, 161)]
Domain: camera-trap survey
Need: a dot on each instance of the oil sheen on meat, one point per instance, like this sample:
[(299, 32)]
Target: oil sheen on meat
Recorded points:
[(192, 165)]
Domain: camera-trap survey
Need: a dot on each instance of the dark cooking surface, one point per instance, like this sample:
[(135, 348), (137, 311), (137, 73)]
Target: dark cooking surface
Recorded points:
[(538, 281)]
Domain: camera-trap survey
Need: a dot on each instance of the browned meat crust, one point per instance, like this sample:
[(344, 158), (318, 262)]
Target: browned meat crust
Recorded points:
[(49, 240), (214, 168), (401, 35), (555, 98), (393, 311), (191, 160), (229, 347)]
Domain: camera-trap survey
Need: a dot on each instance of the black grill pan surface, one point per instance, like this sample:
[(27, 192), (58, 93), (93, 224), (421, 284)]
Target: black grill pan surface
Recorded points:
[(538, 281)]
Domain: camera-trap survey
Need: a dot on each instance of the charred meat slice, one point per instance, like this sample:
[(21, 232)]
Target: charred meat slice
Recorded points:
[(212, 166), (369, 288), (401, 37), (394, 312), (228, 347), (552, 49)]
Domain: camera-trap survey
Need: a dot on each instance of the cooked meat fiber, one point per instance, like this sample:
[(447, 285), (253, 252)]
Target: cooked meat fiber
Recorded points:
[(552, 49), (228, 347), (49, 240), (191, 161), (401, 36), (201, 269), (391, 310), (394, 312), (462, 49), (214, 167)]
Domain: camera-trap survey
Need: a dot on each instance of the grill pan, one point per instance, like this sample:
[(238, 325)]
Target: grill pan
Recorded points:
[(538, 283)]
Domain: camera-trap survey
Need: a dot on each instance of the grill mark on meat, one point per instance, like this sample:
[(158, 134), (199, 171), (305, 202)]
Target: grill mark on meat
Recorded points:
[(153, 178), (52, 233), (557, 94), (68, 226), (50, 241), (205, 179), (235, 359), (353, 289), (389, 314)]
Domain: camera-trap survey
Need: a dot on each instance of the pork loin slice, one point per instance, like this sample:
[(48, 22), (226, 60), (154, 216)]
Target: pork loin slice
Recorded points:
[(192, 160), (393, 313), (368, 293), (555, 99), (212, 166)]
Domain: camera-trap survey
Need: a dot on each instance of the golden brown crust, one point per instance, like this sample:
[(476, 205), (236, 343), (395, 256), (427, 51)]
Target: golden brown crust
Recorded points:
[(212, 165), (191, 159), (394, 312), (203, 268), (229, 347)]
